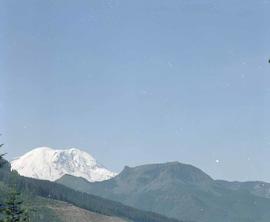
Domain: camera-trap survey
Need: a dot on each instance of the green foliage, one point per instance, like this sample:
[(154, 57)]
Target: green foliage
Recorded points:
[(1, 156), (183, 192), (89, 202), (39, 209), (13, 210)]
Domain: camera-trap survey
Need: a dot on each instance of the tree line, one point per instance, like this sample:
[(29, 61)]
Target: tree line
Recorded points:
[(11, 210)]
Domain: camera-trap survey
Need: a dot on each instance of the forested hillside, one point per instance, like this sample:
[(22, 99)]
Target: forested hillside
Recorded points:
[(181, 191), (93, 203), (47, 210)]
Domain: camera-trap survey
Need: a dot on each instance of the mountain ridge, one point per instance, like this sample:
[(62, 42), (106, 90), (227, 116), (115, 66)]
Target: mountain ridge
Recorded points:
[(180, 191), (53, 191)]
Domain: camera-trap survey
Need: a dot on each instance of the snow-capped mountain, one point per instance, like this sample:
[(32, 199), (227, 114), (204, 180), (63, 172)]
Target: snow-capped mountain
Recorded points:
[(50, 164)]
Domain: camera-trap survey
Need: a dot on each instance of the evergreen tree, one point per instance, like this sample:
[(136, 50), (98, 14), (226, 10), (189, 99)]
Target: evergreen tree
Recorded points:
[(1, 163), (13, 210), (1, 157)]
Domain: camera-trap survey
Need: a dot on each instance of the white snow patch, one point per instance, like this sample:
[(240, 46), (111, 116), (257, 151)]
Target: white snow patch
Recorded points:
[(49, 164)]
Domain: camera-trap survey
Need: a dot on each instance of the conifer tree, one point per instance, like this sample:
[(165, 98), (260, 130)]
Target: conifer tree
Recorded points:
[(1, 162), (1, 156), (13, 210)]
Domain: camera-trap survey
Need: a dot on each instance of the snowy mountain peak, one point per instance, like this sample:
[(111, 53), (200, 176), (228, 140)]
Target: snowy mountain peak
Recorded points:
[(49, 164)]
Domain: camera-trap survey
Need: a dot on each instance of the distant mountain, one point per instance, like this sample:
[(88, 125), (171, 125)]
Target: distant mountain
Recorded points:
[(50, 192), (180, 191), (258, 188), (49, 164)]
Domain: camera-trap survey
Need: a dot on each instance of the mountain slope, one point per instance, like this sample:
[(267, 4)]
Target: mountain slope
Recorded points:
[(47, 210), (49, 164), (66, 212), (86, 201), (69, 213), (180, 191), (257, 188)]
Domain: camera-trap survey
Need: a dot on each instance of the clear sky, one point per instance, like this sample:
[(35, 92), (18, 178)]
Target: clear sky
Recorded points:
[(137, 82)]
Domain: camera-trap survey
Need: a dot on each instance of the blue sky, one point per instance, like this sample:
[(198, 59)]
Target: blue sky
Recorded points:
[(137, 82)]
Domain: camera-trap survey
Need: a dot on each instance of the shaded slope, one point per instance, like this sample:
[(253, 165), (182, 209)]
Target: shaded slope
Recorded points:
[(69, 213), (47, 210), (180, 191), (89, 202), (258, 188)]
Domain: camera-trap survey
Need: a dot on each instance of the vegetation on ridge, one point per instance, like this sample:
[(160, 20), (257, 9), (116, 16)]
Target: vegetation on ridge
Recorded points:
[(93, 203)]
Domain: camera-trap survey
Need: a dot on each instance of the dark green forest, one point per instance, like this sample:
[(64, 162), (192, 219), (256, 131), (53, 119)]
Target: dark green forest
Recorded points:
[(50, 190)]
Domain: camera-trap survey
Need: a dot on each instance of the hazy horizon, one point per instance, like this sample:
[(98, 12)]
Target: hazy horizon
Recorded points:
[(135, 82)]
